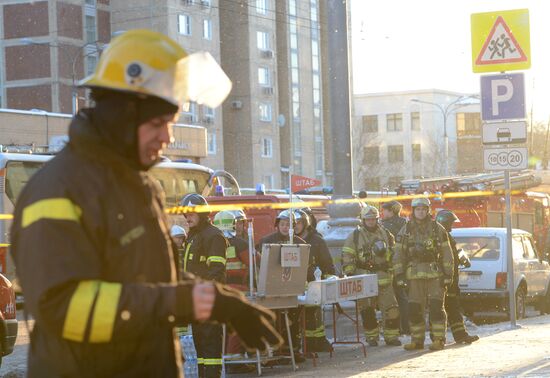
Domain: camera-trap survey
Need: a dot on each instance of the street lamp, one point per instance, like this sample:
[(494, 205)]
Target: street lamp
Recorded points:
[(445, 111), (72, 59)]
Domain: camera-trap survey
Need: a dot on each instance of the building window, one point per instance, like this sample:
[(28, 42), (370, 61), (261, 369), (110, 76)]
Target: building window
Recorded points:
[(468, 124), (292, 7), (184, 24), (190, 116), (265, 112), (207, 29), (208, 114), (416, 152), (91, 29), (264, 77), (372, 183), (395, 154), (261, 6), (415, 121), (90, 2), (263, 40), (371, 155), (394, 122), (208, 111), (394, 182), (370, 124), (212, 143), (267, 147), (91, 61)]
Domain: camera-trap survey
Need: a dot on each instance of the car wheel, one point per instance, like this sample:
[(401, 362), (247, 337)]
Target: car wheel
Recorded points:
[(520, 303)]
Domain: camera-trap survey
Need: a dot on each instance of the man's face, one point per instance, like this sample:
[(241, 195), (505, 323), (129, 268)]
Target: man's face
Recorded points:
[(192, 219), (386, 213), (299, 228), (370, 222), (420, 212), (153, 136), (179, 240), (284, 226)]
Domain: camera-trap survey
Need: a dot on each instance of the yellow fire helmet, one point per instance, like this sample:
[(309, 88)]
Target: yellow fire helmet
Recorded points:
[(145, 62)]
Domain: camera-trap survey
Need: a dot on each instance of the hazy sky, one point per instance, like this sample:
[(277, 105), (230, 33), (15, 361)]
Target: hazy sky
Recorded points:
[(400, 45)]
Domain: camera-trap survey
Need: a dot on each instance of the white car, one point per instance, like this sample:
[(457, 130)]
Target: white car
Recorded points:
[(484, 285)]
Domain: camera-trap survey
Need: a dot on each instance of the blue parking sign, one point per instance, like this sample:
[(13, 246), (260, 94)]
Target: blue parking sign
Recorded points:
[(502, 97)]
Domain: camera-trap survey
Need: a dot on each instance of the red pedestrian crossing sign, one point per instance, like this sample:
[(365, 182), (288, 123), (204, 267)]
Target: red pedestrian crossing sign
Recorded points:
[(500, 41)]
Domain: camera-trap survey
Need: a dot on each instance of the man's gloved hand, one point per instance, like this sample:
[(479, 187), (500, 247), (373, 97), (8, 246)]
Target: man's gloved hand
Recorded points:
[(251, 322), (446, 282), (401, 281)]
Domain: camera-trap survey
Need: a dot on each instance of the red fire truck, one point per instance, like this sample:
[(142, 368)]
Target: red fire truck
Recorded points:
[(483, 202)]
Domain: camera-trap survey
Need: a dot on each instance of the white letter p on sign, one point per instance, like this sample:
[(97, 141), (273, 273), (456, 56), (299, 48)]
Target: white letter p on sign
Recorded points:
[(498, 98)]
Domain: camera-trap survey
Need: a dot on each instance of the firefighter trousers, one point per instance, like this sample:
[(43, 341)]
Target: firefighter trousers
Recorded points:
[(387, 303), (315, 329), (208, 343), (454, 316), (427, 292), (403, 301)]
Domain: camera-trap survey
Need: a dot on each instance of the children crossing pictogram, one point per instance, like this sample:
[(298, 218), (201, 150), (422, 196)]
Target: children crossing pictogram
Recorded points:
[(500, 46)]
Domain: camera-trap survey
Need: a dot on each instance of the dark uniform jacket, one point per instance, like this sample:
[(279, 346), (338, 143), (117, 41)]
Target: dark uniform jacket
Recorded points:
[(456, 261), (319, 255), (278, 238), (93, 253), (394, 224), (204, 253)]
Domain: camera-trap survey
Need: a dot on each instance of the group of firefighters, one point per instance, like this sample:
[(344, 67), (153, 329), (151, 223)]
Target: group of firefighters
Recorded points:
[(416, 262), (99, 269)]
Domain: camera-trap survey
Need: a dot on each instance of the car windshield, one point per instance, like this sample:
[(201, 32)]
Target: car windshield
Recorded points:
[(479, 248)]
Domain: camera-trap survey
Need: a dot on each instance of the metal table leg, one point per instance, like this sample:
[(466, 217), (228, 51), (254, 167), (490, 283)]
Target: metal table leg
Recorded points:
[(290, 340)]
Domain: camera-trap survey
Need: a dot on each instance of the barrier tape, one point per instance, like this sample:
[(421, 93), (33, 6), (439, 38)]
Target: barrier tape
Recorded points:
[(177, 210)]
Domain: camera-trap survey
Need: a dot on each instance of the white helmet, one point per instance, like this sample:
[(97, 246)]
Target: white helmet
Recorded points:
[(176, 231)]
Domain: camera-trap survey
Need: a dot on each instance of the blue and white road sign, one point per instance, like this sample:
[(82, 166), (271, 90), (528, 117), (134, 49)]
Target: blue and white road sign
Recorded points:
[(502, 97)]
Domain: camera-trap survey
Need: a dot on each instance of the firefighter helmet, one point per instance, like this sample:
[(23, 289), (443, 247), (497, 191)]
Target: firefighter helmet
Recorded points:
[(393, 206), (446, 218), (370, 212), (421, 201), (148, 63), (302, 216), (239, 214), (177, 231), (225, 221), (193, 199), (285, 214)]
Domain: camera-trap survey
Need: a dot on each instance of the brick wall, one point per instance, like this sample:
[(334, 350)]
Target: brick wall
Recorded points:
[(26, 20), (32, 97)]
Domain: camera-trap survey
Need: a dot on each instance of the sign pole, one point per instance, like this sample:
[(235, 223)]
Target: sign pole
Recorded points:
[(510, 257), (290, 212)]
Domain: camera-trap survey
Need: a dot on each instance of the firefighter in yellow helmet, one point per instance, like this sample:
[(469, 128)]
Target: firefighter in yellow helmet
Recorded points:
[(423, 259), (368, 249), (90, 237)]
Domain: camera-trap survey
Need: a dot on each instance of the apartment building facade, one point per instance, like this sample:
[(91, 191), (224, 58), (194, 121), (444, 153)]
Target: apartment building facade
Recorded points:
[(273, 121), (400, 135)]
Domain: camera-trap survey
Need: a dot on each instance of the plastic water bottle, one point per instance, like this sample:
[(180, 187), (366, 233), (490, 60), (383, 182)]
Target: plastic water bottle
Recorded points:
[(317, 274), (190, 366)]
